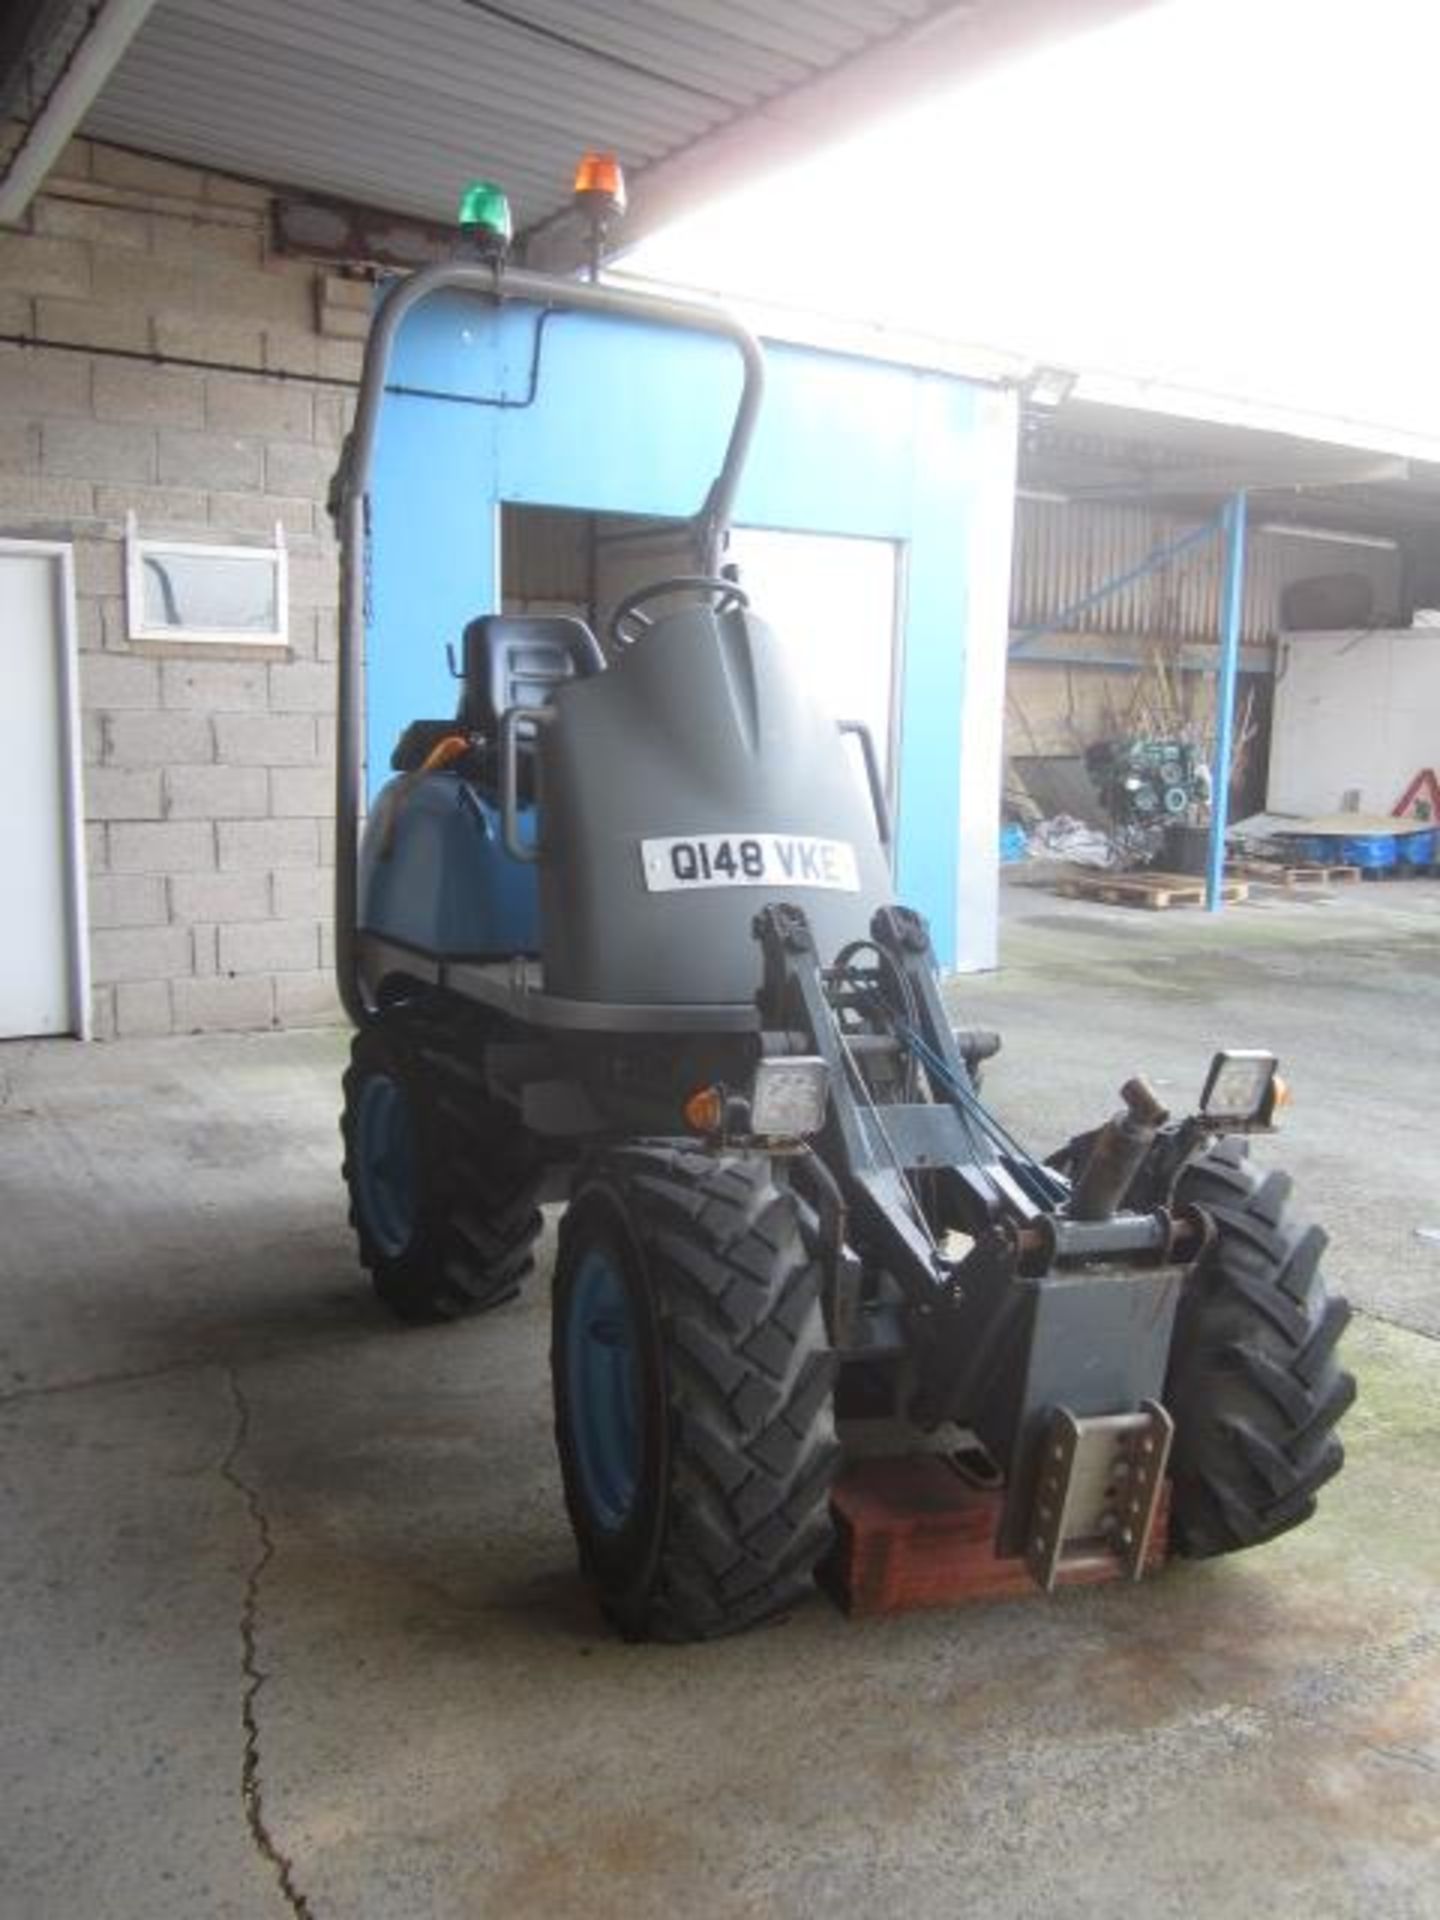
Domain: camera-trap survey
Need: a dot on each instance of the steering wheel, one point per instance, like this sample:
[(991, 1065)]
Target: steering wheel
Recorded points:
[(629, 620)]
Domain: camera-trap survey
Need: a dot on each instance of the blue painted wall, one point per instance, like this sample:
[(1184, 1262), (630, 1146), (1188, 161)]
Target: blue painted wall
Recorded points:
[(629, 418)]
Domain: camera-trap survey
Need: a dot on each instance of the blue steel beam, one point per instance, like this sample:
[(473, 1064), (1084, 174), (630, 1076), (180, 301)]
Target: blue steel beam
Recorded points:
[(1192, 659), (1230, 621), (1152, 563)]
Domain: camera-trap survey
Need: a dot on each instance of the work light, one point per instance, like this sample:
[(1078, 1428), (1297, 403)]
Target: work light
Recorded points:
[(788, 1099), (1240, 1087)]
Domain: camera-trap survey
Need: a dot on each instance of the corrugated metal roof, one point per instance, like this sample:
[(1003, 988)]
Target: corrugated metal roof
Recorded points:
[(1066, 551), (399, 104)]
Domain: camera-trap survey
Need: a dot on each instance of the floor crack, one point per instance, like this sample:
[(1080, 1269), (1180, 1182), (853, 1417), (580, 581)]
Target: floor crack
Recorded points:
[(1406, 1756), (1389, 1320), (190, 1363), (254, 1675), (86, 1383)]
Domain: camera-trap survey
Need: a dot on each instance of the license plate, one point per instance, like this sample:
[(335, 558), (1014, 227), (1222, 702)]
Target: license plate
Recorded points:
[(781, 860)]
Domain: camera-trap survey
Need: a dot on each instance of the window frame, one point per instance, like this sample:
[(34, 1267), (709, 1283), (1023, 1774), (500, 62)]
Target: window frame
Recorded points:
[(140, 547)]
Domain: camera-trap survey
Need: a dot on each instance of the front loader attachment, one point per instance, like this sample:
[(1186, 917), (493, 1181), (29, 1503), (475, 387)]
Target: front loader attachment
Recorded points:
[(963, 1271)]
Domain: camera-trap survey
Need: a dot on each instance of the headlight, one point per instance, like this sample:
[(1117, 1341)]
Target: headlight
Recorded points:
[(789, 1096), (1240, 1087)]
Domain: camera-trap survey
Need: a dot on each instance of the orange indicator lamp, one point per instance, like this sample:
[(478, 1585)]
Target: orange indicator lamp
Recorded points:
[(599, 178)]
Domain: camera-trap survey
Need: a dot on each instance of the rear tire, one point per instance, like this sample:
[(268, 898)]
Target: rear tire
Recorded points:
[(1255, 1387), (693, 1382), (442, 1181)]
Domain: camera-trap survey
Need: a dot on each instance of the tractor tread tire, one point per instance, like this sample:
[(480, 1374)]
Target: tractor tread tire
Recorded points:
[(477, 1218), (749, 1378), (1255, 1385)]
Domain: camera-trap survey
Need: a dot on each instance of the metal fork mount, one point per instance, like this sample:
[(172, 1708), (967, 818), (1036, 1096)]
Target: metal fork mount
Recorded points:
[(1098, 1492)]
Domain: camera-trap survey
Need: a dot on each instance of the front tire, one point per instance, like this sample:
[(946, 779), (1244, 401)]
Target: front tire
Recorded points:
[(693, 1383), (1255, 1386)]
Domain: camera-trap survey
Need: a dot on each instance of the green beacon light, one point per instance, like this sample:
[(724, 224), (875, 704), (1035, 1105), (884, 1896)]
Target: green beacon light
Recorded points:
[(485, 217)]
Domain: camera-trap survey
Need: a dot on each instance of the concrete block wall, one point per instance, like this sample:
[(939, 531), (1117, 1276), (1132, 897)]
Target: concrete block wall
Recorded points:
[(176, 369)]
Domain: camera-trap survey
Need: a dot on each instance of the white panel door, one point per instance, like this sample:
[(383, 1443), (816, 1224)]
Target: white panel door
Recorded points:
[(37, 979), (833, 600)]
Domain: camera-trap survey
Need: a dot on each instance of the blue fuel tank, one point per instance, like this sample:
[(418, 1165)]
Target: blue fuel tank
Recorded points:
[(435, 876)]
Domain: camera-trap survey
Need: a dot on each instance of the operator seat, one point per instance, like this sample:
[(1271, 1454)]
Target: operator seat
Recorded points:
[(510, 660), (518, 660)]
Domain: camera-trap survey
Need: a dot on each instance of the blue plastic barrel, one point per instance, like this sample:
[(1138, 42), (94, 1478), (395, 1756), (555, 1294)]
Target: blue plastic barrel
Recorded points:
[(1310, 850), (1373, 851), (1418, 849)]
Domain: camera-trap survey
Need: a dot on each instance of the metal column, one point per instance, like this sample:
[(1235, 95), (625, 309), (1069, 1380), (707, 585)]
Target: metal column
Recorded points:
[(1231, 619)]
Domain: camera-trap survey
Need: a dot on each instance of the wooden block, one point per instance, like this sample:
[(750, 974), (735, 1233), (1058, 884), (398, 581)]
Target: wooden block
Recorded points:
[(911, 1533)]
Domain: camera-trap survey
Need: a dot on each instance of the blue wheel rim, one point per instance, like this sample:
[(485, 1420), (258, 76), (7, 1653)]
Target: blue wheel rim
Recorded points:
[(602, 1363), (385, 1169)]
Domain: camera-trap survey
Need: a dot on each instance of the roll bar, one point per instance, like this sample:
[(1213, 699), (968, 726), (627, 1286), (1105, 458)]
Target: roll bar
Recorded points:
[(351, 497)]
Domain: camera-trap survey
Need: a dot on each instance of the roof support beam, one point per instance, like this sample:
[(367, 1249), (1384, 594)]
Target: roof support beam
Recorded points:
[(951, 45), (93, 59), (1302, 471), (1232, 620)]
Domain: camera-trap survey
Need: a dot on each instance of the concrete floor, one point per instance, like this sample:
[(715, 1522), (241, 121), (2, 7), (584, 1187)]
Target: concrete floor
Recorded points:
[(262, 1550)]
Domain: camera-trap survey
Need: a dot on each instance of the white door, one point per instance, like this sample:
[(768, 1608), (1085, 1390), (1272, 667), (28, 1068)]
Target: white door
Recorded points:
[(41, 974), (835, 601)]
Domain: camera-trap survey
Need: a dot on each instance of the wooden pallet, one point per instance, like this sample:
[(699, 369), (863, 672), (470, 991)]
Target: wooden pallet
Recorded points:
[(1273, 874), (1148, 889), (913, 1533)]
